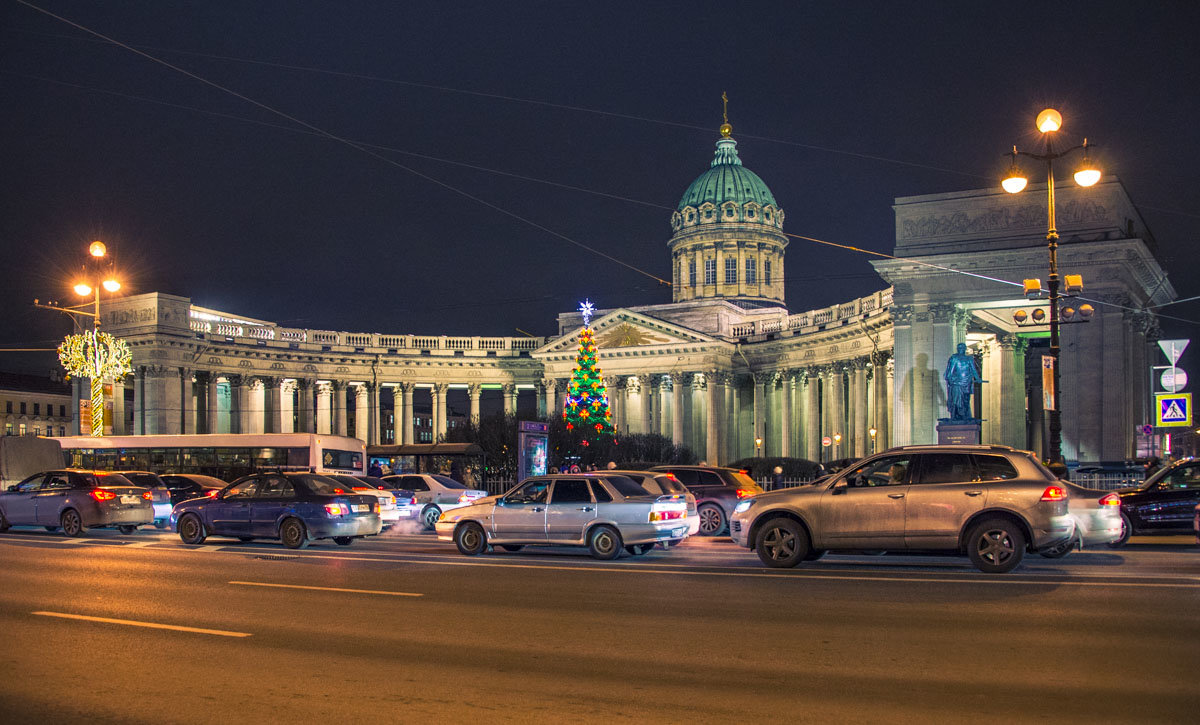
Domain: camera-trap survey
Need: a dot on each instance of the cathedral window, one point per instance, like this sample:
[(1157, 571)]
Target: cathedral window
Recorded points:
[(708, 213), (692, 272), (729, 211), (730, 270), (710, 271), (749, 213), (767, 271), (751, 270)]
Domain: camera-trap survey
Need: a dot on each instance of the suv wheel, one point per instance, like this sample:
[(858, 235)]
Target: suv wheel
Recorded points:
[(712, 520), (996, 546), (781, 543)]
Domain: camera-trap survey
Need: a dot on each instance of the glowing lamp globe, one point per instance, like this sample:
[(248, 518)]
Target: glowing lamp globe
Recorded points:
[(1014, 182), (1049, 121), (1087, 175), (1020, 316), (111, 285), (97, 249), (82, 289), (1086, 311)]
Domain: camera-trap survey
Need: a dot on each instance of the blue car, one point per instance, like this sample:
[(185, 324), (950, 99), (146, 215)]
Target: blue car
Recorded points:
[(293, 507)]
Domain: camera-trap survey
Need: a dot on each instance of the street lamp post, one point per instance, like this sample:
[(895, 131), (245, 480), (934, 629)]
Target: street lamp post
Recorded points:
[(1049, 121), (872, 432)]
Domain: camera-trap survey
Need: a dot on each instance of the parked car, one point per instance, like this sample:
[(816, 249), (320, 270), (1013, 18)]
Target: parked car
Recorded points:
[(992, 503), (75, 501), (388, 513), (717, 491), (660, 483), (186, 486), (1097, 518), (407, 506), (435, 493), (1163, 504), (293, 507), (159, 495), (604, 512)]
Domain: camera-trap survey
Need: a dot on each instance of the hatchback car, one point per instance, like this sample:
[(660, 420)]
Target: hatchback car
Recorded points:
[(1097, 518), (660, 483), (992, 503), (160, 496), (604, 512), (1163, 504), (76, 501), (436, 493), (186, 486), (717, 491), (293, 507)]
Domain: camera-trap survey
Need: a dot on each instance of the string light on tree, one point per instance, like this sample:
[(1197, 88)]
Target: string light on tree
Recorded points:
[(99, 356), (586, 406)]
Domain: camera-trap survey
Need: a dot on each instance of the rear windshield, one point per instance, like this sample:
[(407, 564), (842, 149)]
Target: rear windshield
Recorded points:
[(448, 482), (670, 484), (147, 480), (378, 483), (351, 481), (742, 480), (1046, 472), (323, 485), (625, 486), (109, 479)]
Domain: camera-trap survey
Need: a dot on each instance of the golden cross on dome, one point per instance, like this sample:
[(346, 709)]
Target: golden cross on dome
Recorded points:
[(726, 129)]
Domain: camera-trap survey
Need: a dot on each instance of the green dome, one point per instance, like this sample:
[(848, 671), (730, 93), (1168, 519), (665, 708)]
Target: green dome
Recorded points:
[(727, 180)]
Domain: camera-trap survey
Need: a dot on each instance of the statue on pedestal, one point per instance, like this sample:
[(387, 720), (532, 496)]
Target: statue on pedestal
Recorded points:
[(961, 376)]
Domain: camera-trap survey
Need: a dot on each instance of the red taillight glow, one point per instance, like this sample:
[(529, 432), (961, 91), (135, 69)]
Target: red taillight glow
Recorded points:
[(148, 496), (1111, 499), (465, 498), (213, 493), (101, 495), (337, 509), (1054, 493), (744, 493), (338, 490)]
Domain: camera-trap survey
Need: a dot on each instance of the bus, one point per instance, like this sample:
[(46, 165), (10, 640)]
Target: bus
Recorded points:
[(221, 455)]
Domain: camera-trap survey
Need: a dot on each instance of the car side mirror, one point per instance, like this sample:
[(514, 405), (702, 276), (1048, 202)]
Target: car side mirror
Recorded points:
[(839, 488)]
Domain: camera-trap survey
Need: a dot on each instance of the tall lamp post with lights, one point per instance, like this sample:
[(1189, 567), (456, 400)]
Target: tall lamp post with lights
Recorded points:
[(1049, 122), (95, 355)]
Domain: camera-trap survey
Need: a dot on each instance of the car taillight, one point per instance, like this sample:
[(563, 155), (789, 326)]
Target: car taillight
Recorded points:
[(102, 495), (213, 493), (1054, 493), (1111, 499), (337, 509), (668, 513), (465, 498), (413, 502), (148, 496), (745, 493)]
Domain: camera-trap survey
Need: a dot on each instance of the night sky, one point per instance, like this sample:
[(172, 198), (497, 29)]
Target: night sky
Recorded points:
[(528, 120)]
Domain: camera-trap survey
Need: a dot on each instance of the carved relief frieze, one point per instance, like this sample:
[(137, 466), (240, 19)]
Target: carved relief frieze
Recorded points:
[(1028, 216)]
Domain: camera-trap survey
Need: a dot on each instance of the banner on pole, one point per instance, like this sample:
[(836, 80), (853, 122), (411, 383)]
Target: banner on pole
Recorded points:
[(1048, 399)]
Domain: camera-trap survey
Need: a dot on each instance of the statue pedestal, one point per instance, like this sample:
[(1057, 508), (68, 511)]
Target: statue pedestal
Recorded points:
[(959, 432)]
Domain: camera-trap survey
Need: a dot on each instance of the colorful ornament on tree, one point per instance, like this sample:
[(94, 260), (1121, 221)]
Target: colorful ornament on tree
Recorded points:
[(586, 403)]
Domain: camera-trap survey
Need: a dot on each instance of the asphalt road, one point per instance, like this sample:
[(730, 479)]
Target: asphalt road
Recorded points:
[(404, 629)]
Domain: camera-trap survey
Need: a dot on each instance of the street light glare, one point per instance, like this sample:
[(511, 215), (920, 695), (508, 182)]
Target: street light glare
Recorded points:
[(1049, 121), (83, 290), (112, 285), (1087, 174), (1015, 182), (97, 249)]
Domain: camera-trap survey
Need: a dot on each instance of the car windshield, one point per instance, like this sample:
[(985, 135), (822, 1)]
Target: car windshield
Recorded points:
[(447, 482), (323, 485), (147, 480), (625, 486), (743, 481)]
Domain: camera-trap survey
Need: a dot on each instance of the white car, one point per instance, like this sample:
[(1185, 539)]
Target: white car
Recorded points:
[(1097, 516), (388, 512), (435, 493), (661, 483)]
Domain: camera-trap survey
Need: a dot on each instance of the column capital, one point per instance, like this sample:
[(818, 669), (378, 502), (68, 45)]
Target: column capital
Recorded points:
[(509, 388), (699, 381), (632, 383), (267, 381), (901, 314), (549, 383), (942, 312), (337, 386), (404, 387), (475, 389), (440, 388), (764, 378), (324, 388), (678, 377), (287, 386)]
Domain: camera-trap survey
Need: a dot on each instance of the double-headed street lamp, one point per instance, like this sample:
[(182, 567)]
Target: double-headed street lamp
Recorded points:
[(1048, 123)]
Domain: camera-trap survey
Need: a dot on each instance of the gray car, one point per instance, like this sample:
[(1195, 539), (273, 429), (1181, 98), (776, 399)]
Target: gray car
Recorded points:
[(992, 503), (604, 512), (76, 501)]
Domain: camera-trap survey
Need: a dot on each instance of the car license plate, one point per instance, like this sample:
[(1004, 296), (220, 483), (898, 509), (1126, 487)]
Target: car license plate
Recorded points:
[(405, 512), (129, 499), (360, 508)]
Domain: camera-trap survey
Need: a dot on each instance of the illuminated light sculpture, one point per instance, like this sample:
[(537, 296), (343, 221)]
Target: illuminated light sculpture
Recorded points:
[(98, 356), (586, 406)]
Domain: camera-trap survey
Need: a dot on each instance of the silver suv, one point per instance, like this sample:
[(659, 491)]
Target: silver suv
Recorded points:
[(990, 502)]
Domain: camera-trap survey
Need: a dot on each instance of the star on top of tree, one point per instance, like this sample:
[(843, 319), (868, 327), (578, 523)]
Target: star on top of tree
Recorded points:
[(587, 309)]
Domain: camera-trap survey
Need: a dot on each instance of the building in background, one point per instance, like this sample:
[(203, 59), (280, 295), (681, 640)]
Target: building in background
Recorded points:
[(34, 405)]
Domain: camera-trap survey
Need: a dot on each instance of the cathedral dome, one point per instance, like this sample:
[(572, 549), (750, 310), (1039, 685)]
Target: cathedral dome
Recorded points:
[(727, 180)]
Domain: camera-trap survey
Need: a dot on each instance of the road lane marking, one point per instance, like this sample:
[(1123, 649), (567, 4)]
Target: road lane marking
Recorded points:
[(328, 589), (150, 625)]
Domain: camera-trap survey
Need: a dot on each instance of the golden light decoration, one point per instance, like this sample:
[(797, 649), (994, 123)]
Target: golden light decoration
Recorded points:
[(94, 354)]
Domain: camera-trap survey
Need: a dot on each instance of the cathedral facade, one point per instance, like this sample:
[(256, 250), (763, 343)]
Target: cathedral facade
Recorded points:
[(724, 368)]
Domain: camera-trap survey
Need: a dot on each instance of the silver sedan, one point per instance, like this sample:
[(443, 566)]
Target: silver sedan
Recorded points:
[(604, 512), (1097, 516)]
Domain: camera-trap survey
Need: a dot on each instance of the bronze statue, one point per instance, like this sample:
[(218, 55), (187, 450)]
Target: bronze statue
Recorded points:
[(961, 376)]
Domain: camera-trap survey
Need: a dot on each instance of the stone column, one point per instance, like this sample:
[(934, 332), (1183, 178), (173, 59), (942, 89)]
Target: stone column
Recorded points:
[(406, 396), (340, 424), (812, 414), (861, 404), (362, 417), (474, 392), (837, 424), (324, 408), (211, 409), (619, 394), (697, 404), (1012, 391), (287, 406), (246, 412), (439, 408), (733, 414), (372, 413), (270, 408), (903, 372), (879, 374), (664, 388), (678, 383), (762, 384), (712, 437), (550, 393), (786, 379), (118, 414), (187, 401), (304, 417), (510, 404)]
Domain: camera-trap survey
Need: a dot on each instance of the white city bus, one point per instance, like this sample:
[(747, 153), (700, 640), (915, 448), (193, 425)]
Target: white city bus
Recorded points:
[(222, 455)]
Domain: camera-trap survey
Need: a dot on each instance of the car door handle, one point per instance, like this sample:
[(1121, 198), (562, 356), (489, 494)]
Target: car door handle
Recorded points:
[(585, 508), (537, 508), (973, 493), (895, 495)]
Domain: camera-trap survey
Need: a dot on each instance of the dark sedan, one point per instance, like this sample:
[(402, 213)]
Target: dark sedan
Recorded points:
[(186, 486), (160, 497), (1164, 504), (293, 507), (717, 491)]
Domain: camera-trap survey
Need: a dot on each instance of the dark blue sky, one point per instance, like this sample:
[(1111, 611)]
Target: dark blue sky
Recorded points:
[(839, 107)]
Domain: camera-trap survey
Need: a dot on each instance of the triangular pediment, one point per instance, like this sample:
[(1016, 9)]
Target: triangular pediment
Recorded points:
[(623, 329)]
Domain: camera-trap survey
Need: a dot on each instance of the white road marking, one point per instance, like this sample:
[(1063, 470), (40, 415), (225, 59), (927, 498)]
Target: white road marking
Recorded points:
[(328, 589), (150, 625)]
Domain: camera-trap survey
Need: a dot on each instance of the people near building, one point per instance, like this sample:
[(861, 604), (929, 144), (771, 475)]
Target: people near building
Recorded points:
[(612, 465), (777, 477), (375, 470)]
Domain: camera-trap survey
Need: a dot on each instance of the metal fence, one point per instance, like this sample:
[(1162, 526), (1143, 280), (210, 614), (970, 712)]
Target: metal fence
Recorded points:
[(1106, 480)]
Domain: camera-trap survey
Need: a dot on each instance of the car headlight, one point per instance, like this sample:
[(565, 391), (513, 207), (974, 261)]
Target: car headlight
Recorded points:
[(743, 505)]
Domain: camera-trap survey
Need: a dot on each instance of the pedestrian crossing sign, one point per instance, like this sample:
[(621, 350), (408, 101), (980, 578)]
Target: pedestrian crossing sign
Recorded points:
[(1173, 409)]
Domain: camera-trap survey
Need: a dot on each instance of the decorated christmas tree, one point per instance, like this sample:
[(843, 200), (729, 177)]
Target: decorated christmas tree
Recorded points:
[(585, 409)]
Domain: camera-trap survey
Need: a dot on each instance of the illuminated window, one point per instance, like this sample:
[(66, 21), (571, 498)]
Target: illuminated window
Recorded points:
[(692, 272), (730, 270), (8, 429), (62, 431), (21, 429), (37, 430), (767, 271), (710, 271), (751, 270)]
